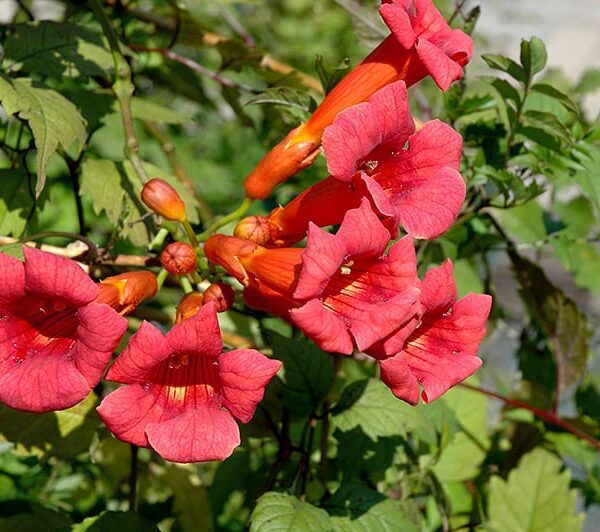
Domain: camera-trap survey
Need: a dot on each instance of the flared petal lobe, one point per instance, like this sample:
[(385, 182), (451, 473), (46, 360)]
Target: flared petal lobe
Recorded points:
[(181, 392)]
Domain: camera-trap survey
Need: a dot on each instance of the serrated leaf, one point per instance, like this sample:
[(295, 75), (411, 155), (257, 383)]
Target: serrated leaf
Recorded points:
[(56, 49), (525, 222), (16, 201), (308, 373), (109, 520), (65, 433), (462, 456), (13, 250), (367, 24), (330, 75), (578, 215), (581, 259), (553, 92), (378, 413), (549, 123), (535, 498), (505, 64), (586, 169), (559, 316), (53, 119), (281, 512), (355, 507)]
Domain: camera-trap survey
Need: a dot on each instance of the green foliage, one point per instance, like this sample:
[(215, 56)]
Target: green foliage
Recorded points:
[(535, 497), (278, 511)]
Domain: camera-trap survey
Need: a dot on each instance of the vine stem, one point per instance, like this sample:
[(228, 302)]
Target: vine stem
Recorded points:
[(231, 217), (123, 89), (133, 477), (544, 415)]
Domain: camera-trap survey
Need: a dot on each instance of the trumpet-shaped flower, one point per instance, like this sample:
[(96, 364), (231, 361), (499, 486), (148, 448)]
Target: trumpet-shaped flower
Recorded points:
[(55, 341), (441, 349), (372, 150), (421, 44), (182, 392), (341, 290)]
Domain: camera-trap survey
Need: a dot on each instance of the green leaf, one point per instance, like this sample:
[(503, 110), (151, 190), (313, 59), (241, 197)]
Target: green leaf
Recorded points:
[(13, 250), (533, 56), (589, 82), (279, 511), (586, 169), (16, 201), (587, 396), (286, 97), (31, 517), (53, 119), (367, 24), (463, 455), (581, 259), (151, 110), (308, 373), (330, 75), (370, 405), (355, 507), (115, 521), (505, 89), (561, 97), (559, 316), (56, 49), (549, 123), (505, 64), (525, 222), (578, 215), (535, 498), (65, 433)]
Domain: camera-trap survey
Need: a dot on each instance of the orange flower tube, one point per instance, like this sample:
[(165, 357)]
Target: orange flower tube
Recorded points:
[(421, 44)]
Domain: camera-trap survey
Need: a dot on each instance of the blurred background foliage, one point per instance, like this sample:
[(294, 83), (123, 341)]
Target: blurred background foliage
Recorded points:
[(330, 448)]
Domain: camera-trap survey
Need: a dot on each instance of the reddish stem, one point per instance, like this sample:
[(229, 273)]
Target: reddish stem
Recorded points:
[(542, 414)]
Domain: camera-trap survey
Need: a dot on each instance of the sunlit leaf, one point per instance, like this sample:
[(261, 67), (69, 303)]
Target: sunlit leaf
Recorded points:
[(279, 511)]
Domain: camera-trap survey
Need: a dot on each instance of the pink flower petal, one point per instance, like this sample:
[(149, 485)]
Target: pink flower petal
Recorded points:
[(328, 331), (128, 410), (43, 380), (57, 278), (199, 334), (146, 348), (395, 15), (396, 374), (363, 233), (12, 279), (244, 374), (323, 255), (197, 435), (442, 68), (438, 290)]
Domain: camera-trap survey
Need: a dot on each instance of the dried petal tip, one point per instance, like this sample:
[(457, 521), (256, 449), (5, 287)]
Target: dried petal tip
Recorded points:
[(124, 292), (257, 229), (221, 294), (189, 306), (179, 258), (164, 200)]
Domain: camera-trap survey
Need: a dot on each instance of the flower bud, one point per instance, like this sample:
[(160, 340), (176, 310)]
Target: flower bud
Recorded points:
[(221, 294), (179, 258), (257, 229), (124, 292), (189, 306), (164, 200)]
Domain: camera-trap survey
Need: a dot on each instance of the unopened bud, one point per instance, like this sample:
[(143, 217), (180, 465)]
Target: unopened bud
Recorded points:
[(124, 292), (189, 306), (179, 258), (221, 294), (164, 200), (257, 229)]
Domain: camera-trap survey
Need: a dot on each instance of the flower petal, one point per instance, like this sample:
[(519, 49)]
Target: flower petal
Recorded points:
[(438, 290), (146, 348), (57, 277), (322, 257), (442, 68), (363, 233), (198, 435), (199, 334), (328, 331), (244, 374), (128, 410), (396, 374), (99, 332), (12, 279), (43, 381)]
